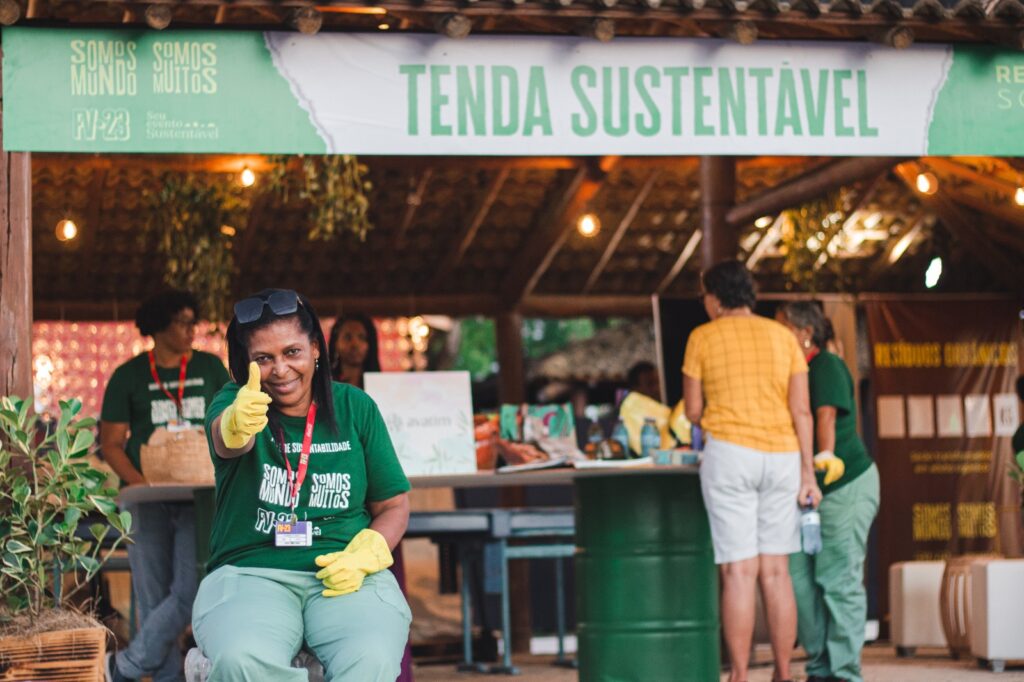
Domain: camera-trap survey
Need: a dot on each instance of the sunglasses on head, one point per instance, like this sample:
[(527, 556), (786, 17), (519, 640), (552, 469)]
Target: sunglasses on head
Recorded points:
[(280, 301)]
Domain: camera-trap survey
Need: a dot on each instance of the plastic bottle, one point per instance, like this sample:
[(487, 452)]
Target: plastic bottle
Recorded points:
[(594, 439), (650, 437), (696, 437), (622, 436), (810, 529)]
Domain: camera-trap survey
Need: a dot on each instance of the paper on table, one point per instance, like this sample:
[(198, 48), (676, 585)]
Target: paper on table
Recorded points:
[(639, 462)]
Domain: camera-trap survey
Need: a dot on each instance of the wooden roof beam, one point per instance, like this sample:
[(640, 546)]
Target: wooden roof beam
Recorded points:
[(575, 306), (551, 229), (383, 306), (809, 185), (1002, 268), (453, 257), (967, 173), (620, 230)]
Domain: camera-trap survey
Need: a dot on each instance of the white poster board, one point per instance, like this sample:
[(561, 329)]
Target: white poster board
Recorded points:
[(430, 418)]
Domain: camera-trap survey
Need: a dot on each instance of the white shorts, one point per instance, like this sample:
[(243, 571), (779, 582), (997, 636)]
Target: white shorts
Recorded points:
[(751, 500)]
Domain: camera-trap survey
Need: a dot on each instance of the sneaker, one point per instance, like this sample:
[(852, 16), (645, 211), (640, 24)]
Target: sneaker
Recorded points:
[(110, 671)]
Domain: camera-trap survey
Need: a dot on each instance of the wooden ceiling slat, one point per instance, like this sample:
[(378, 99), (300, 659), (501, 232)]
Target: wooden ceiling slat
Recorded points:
[(413, 203), (684, 257), (465, 238)]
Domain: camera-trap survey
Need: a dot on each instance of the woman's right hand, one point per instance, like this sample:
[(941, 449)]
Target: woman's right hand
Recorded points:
[(809, 490), (247, 415)]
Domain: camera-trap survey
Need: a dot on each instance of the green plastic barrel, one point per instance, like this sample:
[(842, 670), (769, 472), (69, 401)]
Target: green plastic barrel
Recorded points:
[(646, 583)]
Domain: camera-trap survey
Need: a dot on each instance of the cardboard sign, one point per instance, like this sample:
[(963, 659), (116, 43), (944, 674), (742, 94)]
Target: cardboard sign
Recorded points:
[(430, 418)]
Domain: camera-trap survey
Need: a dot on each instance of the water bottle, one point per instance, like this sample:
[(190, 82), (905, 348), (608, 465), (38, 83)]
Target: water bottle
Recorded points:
[(622, 437), (810, 529), (650, 437)]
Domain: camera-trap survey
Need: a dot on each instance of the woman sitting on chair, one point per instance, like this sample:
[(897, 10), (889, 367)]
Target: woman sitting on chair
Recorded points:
[(311, 499)]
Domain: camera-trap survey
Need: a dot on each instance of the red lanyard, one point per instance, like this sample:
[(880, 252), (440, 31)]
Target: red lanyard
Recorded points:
[(295, 480), (181, 382), (811, 354)]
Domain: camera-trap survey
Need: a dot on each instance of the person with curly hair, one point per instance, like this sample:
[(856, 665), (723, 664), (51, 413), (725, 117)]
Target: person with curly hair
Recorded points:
[(745, 383), (167, 387)]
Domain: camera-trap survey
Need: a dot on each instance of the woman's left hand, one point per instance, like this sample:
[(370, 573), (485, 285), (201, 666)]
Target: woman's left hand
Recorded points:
[(343, 572), (809, 490)]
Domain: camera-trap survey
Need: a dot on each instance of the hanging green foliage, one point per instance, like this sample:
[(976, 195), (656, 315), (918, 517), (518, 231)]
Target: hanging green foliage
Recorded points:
[(335, 188), (191, 222), (810, 241)]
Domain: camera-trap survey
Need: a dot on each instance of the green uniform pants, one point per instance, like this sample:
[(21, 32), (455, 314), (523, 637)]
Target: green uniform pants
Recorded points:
[(251, 622), (830, 597)]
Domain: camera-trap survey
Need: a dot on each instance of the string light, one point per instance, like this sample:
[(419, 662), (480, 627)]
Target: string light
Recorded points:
[(1018, 196), (763, 222), (66, 230), (248, 177), (588, 225), (927, 183)]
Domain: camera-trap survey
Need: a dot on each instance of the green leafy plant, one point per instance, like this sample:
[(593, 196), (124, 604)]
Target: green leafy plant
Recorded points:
[(192, 219), (1017, 468), (335, 188), (807, 242), (46, 488)]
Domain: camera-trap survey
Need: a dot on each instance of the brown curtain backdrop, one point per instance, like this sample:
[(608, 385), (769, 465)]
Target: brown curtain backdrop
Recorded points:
[(942, 393)]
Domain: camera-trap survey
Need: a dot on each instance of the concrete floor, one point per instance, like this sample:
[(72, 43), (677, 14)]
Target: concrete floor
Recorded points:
[(880, 665)]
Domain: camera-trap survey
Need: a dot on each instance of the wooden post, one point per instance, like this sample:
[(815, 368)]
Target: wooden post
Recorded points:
[(512, 389), (719, 240), (15, 273)]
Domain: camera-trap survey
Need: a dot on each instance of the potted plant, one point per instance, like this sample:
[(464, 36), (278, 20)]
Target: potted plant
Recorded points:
[(47, 488)]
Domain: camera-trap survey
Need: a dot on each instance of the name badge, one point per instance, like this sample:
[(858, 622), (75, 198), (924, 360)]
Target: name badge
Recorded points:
[(293, 534), (175, 426)]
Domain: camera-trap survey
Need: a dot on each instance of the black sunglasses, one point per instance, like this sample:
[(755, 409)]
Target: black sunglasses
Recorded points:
[(281, 302)]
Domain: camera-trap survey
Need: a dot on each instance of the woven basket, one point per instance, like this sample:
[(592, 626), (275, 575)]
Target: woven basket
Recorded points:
[(60, 656), (177, 457)]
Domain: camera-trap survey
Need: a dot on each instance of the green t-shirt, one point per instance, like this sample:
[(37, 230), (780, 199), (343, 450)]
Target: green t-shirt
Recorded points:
[(347, 470), (133, 398), (832, 386)]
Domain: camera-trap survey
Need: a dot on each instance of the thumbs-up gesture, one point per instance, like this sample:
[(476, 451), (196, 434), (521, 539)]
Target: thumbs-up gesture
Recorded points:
[(247, 416)]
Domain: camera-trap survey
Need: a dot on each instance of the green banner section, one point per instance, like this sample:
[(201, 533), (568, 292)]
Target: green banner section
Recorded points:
[(980, 108), (170, 91)]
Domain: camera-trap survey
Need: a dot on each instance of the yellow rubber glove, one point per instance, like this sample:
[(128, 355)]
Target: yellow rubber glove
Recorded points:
[(832, 466), (343, 572), (247, 416)]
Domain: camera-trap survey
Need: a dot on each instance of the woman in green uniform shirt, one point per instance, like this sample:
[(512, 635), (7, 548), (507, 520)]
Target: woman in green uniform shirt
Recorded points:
[(310, 500), (829, 586)]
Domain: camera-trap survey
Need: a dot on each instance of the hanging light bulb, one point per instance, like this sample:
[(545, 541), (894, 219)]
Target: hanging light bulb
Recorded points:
[(66, 230), (1018, 196), (763, 222), (248, 177), (927, 183), (588, 225)]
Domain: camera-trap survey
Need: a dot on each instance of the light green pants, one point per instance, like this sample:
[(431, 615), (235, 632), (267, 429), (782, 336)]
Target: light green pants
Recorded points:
[(830, 598), (251, 622)]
